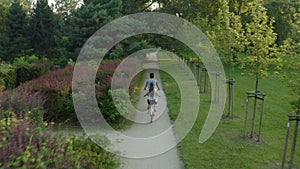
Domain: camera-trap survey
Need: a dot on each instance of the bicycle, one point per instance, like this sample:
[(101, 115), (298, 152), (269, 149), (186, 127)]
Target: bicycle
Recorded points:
[(151, 109), (152, 100)]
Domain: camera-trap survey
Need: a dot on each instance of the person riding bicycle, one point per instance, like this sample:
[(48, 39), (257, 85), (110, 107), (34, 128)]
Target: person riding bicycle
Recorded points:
[(151, 80), (152, 96)]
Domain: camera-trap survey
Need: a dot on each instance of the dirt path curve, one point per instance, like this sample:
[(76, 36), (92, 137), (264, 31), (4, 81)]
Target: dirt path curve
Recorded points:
[(167, 160)]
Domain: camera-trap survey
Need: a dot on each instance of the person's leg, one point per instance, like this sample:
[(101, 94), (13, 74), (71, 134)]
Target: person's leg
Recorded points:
[(152, 102)]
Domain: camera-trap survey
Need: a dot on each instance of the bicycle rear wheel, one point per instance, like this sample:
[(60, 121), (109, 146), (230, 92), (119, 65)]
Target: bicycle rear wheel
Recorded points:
[(151, 113)]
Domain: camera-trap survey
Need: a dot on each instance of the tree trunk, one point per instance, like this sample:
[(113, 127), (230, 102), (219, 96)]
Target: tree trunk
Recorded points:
[(256, 84)]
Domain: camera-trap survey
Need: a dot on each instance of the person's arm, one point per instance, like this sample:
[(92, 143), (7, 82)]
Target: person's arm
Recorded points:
[(157, 86)]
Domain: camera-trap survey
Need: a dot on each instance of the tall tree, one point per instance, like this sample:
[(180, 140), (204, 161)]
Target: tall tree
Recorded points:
[(135, 6), (63, 13), (238, 6), (27, 5), (3, 16), (190, 8), (90, 17), (291, 49), (64, 8), (15, 41), (260, 41), (227, 33), (294, 22), (43, 27), (282, 11), (6, 2)]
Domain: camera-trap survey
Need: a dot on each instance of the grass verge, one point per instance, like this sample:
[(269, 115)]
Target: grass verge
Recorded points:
[(227, 148)]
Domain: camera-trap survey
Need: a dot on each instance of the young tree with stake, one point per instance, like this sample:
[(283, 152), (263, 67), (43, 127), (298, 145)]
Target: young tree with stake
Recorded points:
[(260, 55)]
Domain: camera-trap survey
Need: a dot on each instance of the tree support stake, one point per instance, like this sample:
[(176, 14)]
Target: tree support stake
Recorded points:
[(257, 95)]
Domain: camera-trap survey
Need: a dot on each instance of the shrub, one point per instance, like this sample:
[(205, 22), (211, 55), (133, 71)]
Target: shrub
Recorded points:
[(30, 67), (52, 92), (93, 156), (113, 110), (106, 69), (22, 70), (31, 71), (56, 86), (23, 146), (7, 76), (61, 61), (21, 101)]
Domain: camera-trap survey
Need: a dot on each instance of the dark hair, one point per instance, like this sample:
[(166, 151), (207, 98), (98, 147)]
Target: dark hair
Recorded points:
[(151, 88), (151, 75)]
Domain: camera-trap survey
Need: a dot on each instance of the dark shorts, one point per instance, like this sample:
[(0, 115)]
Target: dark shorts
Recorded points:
[(151, 102)]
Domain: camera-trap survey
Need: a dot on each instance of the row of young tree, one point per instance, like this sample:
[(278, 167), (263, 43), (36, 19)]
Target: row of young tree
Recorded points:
[(259, 35)]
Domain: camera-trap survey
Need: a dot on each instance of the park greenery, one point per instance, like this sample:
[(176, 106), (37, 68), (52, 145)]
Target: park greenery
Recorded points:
[(257, 41)]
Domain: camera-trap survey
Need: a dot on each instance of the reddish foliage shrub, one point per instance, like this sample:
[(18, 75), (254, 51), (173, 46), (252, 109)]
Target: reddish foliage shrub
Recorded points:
[(21, 101), (28, 72), (58, 80), (24, 145), (52, 91), (16, 135)]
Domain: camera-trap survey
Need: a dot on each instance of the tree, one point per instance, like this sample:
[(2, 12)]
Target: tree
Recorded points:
[(283, 12), (15, 41), (291, 49), (43, 27), (260, 41), (135, 6), (294, 69), (86, 21), (238, 6), (190, 8), (64, 8), (6, 2), (27, 5), (3, 16), (227, 34)]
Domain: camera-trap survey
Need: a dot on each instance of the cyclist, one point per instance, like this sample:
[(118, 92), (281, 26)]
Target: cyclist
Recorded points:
[(151, 80)]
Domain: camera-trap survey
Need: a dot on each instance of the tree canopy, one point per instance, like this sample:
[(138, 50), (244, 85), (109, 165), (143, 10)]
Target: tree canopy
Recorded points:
[(43, 27), (15, 38)]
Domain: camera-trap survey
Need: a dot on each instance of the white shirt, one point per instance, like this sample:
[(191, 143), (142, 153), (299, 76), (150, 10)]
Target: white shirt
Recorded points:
[(155, 94), (149, 81)]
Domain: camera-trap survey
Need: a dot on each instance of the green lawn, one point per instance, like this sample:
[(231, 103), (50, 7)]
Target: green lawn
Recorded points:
[(227, 148)]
